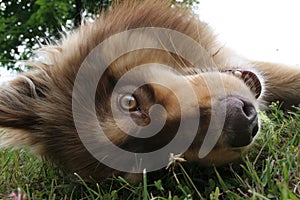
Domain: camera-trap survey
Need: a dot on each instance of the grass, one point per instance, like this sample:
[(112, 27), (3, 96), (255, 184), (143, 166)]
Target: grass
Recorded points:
[(271, 170)]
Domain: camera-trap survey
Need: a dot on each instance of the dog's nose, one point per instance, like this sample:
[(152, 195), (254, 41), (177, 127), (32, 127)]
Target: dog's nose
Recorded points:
[(241, 123)]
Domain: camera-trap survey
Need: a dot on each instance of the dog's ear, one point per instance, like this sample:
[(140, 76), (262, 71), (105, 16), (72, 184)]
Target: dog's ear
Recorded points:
[(19, 99)]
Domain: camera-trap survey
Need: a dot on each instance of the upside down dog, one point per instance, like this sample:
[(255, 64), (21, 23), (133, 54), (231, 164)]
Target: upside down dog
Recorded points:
[(175, 71)]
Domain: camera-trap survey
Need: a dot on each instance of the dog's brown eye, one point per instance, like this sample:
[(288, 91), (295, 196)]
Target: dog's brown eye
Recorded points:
[(128, 102)]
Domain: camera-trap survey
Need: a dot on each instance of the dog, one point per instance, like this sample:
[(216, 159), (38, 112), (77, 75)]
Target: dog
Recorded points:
[(142, 85)]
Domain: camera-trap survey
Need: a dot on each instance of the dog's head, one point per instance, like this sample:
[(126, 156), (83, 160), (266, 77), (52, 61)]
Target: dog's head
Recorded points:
[(138, 84)]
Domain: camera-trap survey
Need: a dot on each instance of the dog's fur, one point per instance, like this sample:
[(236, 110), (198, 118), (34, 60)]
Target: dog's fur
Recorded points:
[(36, 107)]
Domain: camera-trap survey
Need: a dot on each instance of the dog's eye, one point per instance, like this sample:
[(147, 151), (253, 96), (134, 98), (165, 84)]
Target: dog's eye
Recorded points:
[(128, 102)]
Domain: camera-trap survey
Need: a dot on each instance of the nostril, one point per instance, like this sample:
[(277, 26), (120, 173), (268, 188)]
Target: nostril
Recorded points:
[(249, 110), (240, 107)]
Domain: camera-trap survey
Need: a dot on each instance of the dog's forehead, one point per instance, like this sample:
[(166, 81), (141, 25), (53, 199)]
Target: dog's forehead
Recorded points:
[(147, 44), (127, 42)]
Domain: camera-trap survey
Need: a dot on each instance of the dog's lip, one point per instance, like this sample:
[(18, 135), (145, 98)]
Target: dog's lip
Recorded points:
[(249, 77)]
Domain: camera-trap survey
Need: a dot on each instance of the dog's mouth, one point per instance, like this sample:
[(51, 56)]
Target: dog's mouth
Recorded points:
[(249, 77)]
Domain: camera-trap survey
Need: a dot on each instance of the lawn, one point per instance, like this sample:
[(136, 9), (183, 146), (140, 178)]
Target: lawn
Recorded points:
[(271, 170)]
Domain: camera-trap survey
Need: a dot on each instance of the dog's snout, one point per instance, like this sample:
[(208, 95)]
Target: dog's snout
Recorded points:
[(241, 123)]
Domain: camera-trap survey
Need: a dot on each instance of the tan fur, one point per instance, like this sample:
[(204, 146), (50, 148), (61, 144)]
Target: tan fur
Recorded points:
[(36, 107)]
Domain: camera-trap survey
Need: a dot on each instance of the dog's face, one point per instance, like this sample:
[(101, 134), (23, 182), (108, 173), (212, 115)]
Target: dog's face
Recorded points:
[(143, 100), (224, 106)]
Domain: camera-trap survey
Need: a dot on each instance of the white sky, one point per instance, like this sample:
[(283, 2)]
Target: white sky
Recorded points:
[(267, 30)]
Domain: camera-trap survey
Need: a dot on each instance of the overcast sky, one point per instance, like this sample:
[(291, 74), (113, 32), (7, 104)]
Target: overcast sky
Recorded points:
[(267, 30)]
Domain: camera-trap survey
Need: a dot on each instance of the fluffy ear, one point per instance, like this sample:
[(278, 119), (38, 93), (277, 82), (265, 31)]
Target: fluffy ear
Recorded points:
[(18, 100)]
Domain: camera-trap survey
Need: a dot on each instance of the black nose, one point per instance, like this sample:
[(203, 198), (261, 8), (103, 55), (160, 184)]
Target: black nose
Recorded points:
[(241, 123)]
